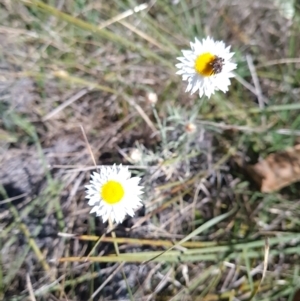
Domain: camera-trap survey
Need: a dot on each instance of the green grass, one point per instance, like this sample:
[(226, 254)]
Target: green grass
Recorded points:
[(202, 236)]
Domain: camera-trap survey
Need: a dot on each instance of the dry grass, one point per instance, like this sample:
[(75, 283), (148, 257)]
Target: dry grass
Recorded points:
[(204, 231)]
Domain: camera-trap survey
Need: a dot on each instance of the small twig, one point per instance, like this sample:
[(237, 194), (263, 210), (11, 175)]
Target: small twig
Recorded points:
[(88, 145), (257, 86), (266, 259), (66, 103), (123, 15), (13, 198), (29, 286), (113, 234), (249, 87), (279, 62), (98, 290), (143, 35), (76, 168), (95, 246), (142, 113)]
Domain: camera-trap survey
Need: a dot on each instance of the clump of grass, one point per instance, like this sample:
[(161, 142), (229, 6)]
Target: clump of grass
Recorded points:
[(202, 234)]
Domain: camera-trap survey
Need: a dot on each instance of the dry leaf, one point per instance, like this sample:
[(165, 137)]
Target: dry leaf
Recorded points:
[(278, 170), (297, 296)]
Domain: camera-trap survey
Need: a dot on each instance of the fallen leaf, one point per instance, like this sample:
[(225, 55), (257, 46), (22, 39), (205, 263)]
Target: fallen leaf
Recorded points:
[(278, 170), (297, 296)]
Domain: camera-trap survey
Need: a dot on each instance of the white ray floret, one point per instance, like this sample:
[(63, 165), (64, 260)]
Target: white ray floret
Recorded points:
[(207, 67), (113, 193)]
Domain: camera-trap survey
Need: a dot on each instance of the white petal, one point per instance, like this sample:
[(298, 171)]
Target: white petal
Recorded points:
[(94, 209)]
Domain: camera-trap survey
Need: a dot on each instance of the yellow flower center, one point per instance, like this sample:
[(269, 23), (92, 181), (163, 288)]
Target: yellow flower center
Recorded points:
[(112, 192), (204, 64)]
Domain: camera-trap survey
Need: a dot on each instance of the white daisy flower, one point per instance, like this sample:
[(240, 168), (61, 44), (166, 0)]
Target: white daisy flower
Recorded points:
[(113, 193), (207, 67)]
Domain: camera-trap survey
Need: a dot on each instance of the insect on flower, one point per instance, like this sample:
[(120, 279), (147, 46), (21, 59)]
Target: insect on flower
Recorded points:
[(207, 67), (217, 65)]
